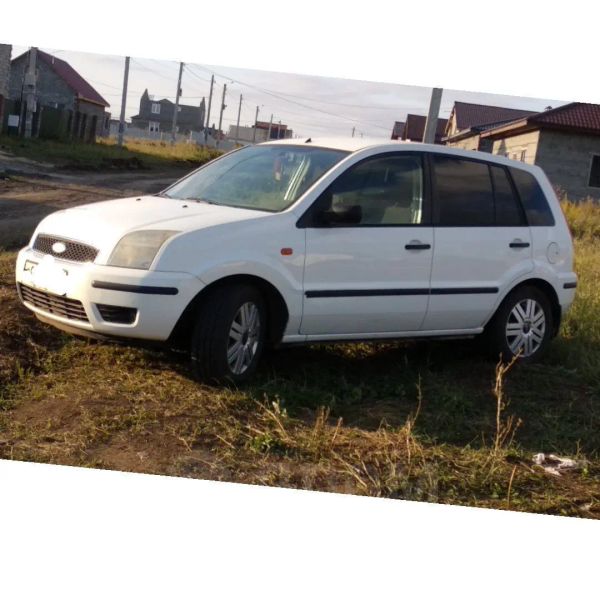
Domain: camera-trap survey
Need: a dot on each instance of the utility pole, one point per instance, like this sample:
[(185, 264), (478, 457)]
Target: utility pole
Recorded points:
[(270, 125), (279, 130), (177, 95), (223, 106), (237, 127), (212, 83), (123, 103), (353, 130), (30, 96), (255, 124), (432, 116)]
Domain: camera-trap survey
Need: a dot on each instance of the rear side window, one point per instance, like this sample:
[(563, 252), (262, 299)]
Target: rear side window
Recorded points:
[(533, 198), (508, 209), (464, 195)]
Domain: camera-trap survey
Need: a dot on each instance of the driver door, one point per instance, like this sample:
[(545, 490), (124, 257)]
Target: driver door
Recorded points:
[(369, 249)]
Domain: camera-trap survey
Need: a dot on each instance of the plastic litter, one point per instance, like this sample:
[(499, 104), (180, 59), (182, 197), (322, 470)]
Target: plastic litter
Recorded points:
[(555, 465)]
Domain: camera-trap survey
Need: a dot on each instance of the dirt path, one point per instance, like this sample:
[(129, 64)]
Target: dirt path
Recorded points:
[(25, 200)]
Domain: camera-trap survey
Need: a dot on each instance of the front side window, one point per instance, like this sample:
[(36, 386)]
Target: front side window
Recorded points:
[(155, 108), (464, 196), (269, 178), (388, 190)]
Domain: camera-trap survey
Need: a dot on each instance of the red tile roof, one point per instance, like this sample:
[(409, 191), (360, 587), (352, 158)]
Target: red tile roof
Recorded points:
[(575, 115), (72, 78), (476, 115), (414, 128)]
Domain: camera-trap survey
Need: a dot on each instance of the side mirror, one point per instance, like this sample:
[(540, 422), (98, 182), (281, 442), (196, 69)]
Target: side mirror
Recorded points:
[(351, 215)]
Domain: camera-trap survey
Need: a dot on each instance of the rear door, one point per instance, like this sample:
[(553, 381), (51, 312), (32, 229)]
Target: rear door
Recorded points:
[(370, 276), (482, 241)]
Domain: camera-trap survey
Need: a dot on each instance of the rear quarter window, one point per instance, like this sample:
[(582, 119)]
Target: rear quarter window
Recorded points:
[(533, 198)]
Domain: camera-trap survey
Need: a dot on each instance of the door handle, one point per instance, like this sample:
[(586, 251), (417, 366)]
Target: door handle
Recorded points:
[(519, 244), (417, 246)]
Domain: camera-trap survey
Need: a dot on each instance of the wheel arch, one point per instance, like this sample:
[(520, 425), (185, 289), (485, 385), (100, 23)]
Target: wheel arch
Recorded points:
[(277, 309), (547, 289)]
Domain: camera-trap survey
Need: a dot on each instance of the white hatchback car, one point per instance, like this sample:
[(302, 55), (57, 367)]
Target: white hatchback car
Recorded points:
[(312, 241)]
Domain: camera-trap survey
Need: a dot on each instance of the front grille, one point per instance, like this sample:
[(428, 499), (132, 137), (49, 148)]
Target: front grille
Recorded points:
[(117, 314), (75, 251), (57, 305)]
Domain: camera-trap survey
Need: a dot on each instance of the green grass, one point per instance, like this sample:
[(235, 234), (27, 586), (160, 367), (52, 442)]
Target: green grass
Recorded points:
[(105, 154), (420, 421)]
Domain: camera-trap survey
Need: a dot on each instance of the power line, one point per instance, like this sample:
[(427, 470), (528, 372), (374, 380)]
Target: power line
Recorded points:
[(276, 95)]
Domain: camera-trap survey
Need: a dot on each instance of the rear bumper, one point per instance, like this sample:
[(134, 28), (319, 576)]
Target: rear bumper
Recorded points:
[(159, 298), (566, 287)]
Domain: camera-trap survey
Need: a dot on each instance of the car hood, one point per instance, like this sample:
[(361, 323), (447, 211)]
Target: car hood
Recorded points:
[(103, 224)]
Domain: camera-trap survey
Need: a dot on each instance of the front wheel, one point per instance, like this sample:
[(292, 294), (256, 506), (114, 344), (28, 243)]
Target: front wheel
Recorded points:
[(522, 326), (229, 335)]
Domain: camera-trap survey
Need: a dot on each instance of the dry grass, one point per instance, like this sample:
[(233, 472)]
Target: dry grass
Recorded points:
[(428, 421), (105, 154)]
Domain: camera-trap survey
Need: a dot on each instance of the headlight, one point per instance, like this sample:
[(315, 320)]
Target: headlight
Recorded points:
[(137, 250)]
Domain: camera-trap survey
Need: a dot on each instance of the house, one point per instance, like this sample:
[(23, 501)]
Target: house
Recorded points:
[(67, 105), (247, 134), (156, 116), (563, 141), (279, 131), (414, 128), (467, 121), (5, 50), (398, 130)]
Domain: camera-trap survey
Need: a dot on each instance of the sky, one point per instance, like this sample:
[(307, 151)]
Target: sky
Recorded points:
[(309, 105)]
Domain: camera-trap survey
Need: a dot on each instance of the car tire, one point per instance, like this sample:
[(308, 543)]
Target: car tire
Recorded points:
[(229, 335), (523, 323)]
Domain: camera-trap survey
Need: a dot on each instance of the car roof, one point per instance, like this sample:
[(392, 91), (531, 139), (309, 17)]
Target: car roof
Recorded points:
[(356, 144)]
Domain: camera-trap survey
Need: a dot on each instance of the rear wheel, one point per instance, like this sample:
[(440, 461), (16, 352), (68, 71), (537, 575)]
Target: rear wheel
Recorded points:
[(229, 335), (522, 326)]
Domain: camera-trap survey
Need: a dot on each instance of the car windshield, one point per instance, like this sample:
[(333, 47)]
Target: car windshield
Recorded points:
[(268, 178)]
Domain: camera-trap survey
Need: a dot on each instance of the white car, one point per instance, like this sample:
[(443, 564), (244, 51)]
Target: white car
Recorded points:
[(320, 240)]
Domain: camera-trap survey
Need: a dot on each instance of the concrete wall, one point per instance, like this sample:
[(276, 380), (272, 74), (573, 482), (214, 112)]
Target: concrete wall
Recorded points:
[(566, 158), (514, 146), (469, 143), (51, 90), (246, 134), (5, 50)]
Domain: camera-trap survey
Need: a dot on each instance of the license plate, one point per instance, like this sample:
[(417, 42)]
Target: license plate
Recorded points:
[(50, 276)]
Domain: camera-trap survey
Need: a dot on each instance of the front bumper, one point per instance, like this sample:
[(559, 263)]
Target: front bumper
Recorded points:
[(159, 297)]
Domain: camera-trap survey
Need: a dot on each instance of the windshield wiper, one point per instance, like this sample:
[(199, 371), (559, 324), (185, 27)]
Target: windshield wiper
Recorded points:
[(203, 200)]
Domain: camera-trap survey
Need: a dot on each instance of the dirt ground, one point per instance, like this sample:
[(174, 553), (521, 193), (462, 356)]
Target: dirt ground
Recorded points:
[(26, 199)]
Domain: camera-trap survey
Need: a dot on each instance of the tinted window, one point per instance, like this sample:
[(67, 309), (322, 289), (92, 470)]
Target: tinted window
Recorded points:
[(463, 192), (508, 210), (388, 190), (532, 197)]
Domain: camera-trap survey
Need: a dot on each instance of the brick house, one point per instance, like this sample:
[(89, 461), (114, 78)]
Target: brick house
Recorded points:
[(467, 121), (563, 141), (279, 131), (414, 129), (156, 116), (68, 106), (398, 130), (5, 50)]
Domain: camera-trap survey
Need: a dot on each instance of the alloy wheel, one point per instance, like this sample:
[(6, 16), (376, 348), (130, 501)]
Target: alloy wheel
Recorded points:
[(244, 336), (526, 327)]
